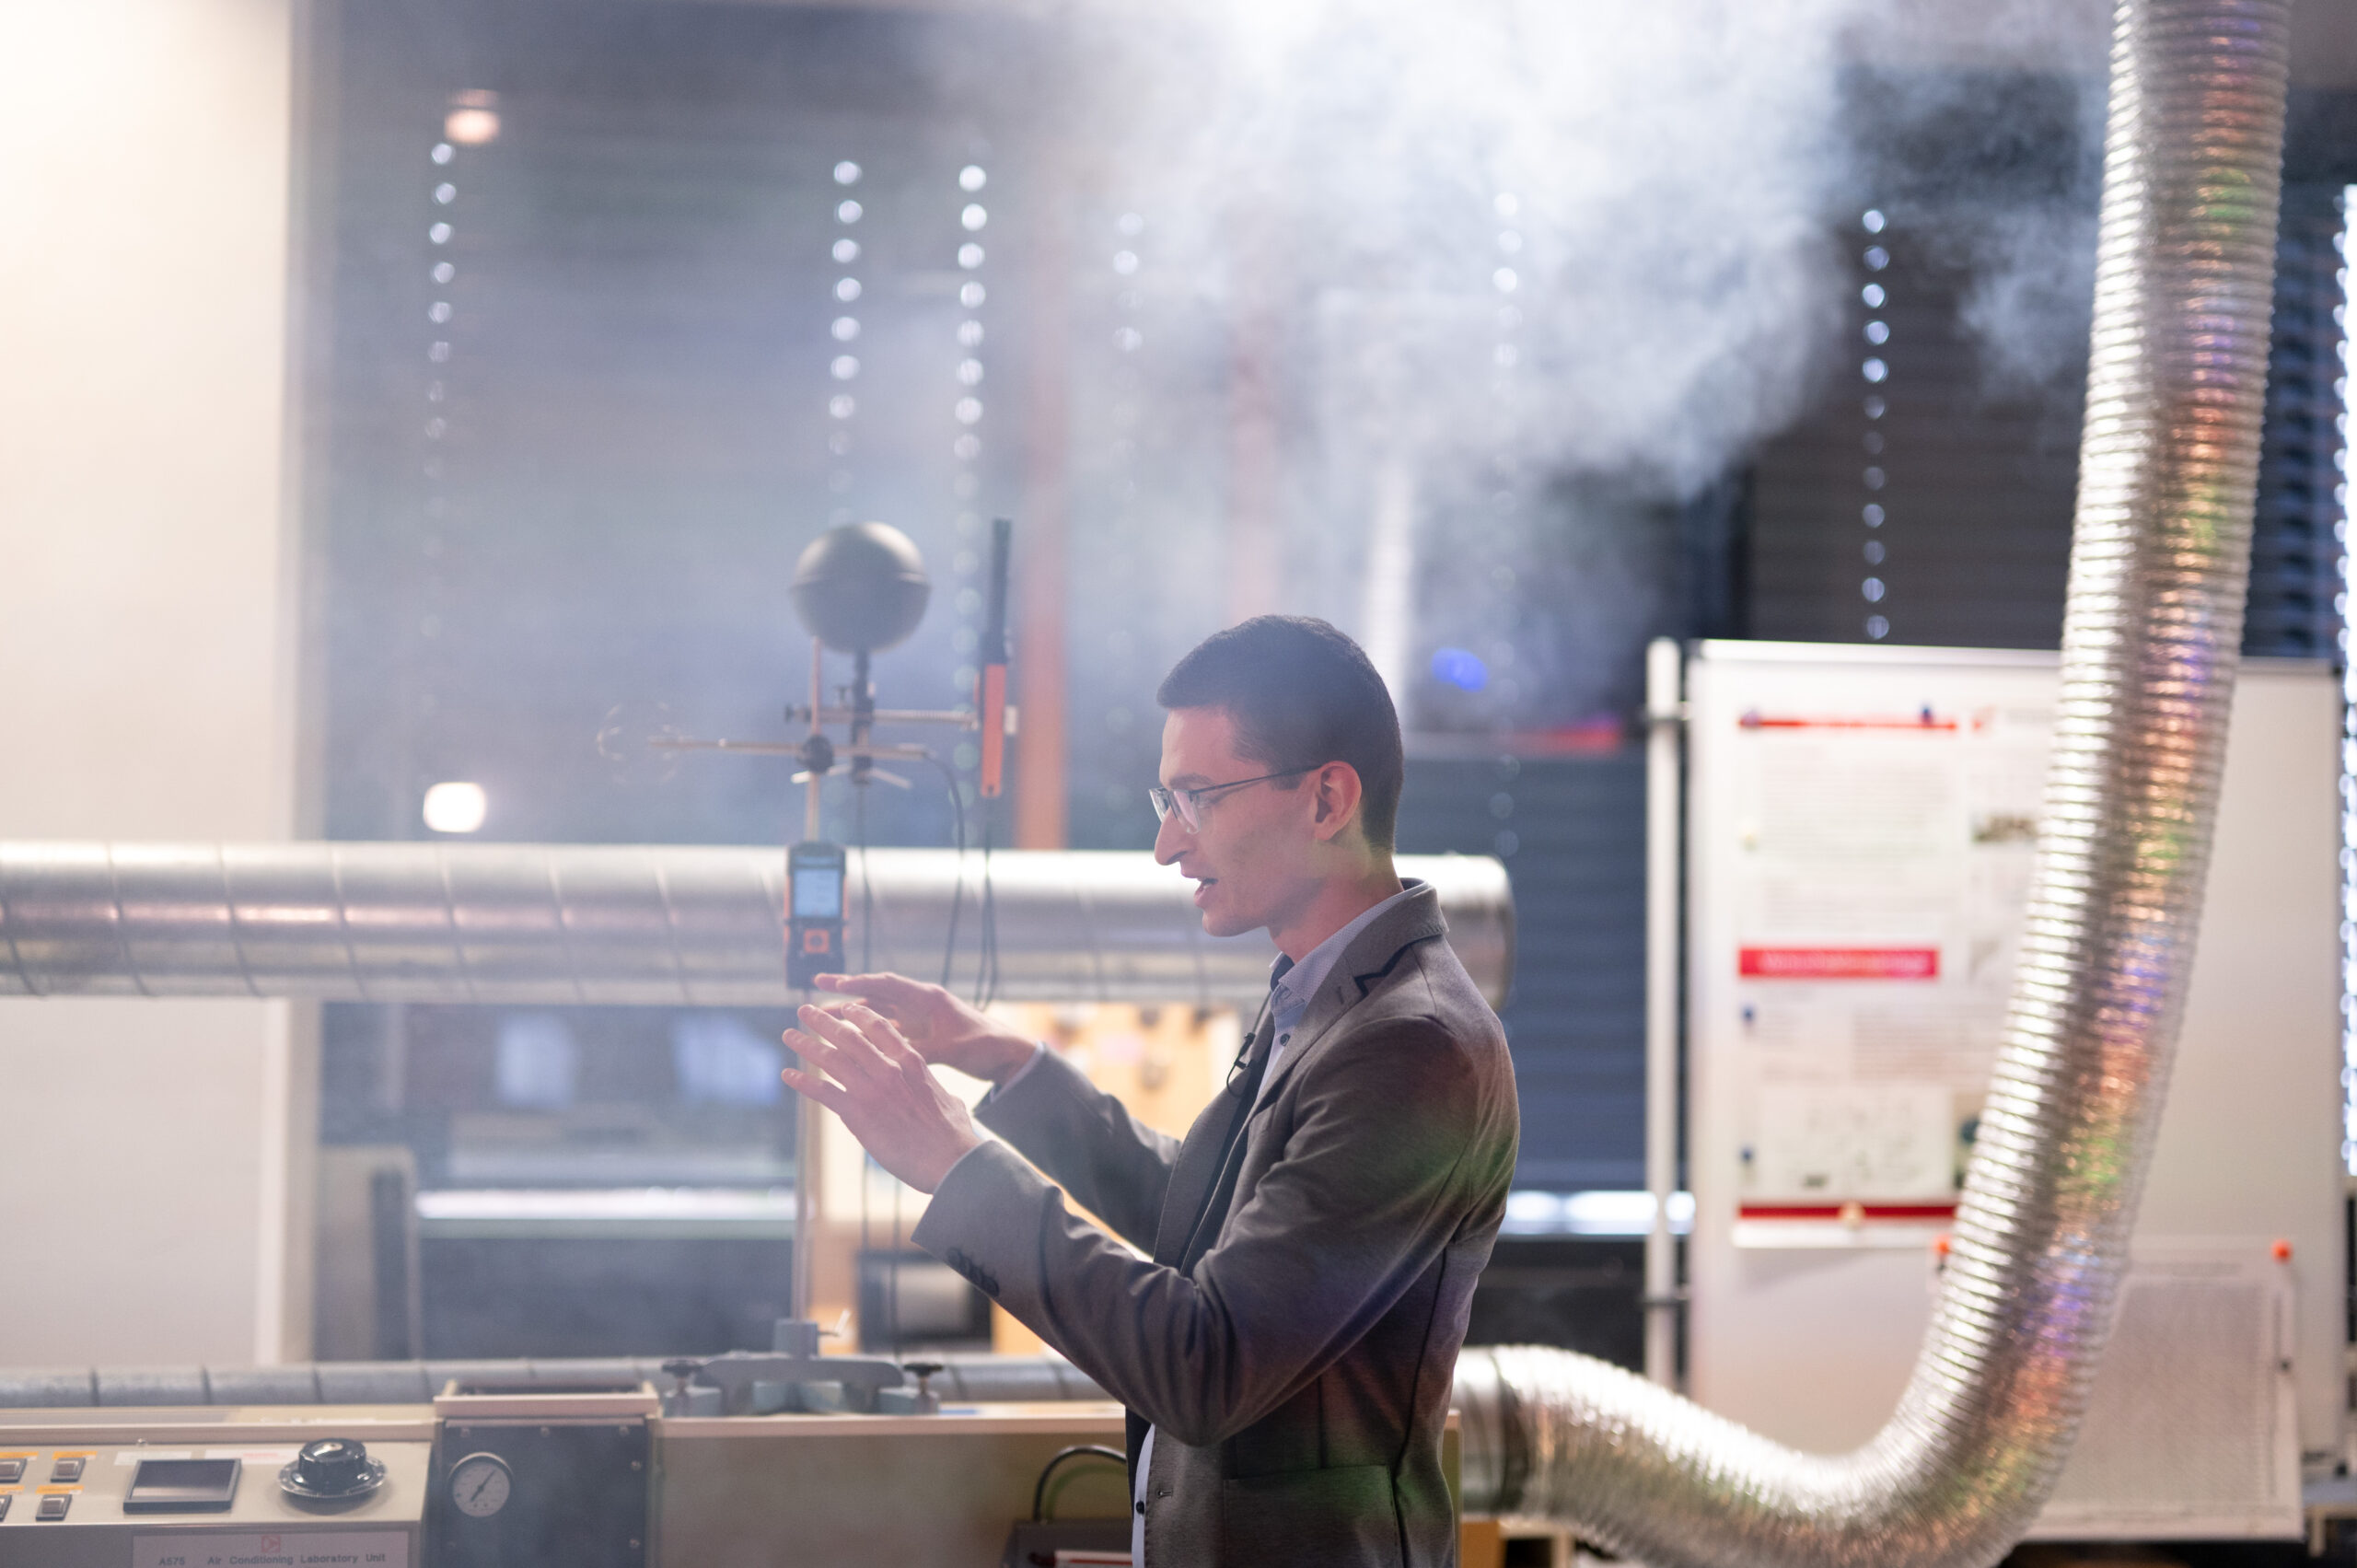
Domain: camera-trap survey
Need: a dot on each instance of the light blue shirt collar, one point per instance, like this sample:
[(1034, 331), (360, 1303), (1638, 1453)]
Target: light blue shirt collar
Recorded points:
[(1291, 996)]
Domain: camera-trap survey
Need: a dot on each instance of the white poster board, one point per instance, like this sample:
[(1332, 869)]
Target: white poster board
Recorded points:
[(1861, 828), (1874, 828)]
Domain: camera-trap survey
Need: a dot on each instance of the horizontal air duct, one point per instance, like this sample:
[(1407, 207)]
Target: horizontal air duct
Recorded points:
[(643, 924)]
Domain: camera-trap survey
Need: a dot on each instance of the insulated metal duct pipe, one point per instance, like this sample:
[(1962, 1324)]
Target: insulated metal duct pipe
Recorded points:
[(678, 926), (1027, 1379), (2185, 272)]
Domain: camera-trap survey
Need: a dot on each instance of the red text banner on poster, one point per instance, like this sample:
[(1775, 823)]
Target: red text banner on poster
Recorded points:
[(1846, 1211), (1839, 963)]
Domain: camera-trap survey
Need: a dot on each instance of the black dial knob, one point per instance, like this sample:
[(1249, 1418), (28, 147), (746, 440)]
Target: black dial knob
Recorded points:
[(332, 1464), (331, 1468)]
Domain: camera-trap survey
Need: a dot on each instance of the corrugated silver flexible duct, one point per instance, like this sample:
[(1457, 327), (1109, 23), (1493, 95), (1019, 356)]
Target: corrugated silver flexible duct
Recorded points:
[(2167, 470), (666, 924)]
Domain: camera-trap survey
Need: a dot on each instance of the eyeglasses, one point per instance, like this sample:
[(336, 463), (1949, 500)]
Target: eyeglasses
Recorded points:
[(1189, 802)]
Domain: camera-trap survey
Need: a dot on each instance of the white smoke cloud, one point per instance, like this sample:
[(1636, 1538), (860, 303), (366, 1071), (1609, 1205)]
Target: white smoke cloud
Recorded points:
[(1540, 271), (1665, 174)]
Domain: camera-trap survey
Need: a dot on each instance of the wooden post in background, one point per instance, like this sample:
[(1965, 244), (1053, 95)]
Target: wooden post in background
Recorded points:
[(1041, 680)]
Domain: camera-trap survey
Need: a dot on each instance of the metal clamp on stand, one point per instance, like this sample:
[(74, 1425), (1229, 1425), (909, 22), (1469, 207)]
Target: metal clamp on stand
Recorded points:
[(792, 1376), (918, 1400)]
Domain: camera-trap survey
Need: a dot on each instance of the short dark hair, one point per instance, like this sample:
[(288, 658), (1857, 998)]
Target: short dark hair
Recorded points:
[(1301, 694)]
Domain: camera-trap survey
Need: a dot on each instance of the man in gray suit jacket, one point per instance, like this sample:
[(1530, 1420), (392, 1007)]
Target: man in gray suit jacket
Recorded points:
[(1286, 1343)]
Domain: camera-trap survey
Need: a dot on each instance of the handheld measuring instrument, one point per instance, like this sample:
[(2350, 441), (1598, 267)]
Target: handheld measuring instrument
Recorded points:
[(814, 874)]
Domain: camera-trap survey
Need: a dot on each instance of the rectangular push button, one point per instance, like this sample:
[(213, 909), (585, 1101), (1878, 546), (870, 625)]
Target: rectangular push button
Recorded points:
[(54, 1508), (11, 1471), (66, 1469)]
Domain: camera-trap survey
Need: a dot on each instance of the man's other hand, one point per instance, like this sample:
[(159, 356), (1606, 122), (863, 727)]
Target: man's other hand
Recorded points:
[(943, 1029), (858, 1065)]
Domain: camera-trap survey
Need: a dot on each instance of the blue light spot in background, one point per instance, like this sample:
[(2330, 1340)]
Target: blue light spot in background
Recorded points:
[(718, 1061), (1461, 669), (539, 1064)]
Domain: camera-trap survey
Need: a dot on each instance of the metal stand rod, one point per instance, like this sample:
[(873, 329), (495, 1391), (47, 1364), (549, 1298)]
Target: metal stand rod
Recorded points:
[(805, 1208), (963, 718), (806, 1112), (904, 752), (1662, 744), (810, 833)]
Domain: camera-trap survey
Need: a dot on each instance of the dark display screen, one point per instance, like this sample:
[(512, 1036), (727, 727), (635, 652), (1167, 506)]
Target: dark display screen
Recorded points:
[(182, 1486)]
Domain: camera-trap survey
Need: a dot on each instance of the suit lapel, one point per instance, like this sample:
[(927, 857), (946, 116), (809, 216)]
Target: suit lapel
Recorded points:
[(1325, 1011), (1372, 955), (1198, 1166)]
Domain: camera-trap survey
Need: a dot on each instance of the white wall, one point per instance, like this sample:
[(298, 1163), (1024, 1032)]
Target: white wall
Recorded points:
[(147, 627)]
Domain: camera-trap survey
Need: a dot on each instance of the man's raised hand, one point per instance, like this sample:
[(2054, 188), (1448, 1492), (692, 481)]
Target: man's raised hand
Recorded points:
[(859, 1066), (943, 1029)]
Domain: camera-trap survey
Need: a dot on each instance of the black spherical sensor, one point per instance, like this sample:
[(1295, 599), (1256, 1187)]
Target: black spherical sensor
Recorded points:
[(861, 588)]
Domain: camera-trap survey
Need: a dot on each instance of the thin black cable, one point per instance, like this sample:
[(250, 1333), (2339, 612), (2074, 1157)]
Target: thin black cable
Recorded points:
[(866, 1246), (983, 942), (986, 976), (985, 949), (957, 880), (1039, 1491), (892, 1307)]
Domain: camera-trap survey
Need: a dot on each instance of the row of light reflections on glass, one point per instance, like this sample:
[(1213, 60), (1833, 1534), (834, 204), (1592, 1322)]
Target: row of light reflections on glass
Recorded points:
[(966, 408), (455, 806), (2346, 315), (1122, 570), (1457, 667), (848, 289), (1875, 370)]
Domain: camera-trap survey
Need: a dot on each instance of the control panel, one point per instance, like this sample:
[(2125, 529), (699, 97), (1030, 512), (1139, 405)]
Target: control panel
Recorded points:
[(193, 1504)]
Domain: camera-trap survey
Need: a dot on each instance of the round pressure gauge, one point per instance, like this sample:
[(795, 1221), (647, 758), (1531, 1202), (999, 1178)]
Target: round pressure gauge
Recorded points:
[(480, 1485)]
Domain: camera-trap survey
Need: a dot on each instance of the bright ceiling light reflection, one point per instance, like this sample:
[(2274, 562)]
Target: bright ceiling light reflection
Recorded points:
[(456, 808), (471, 127), (473, 119)]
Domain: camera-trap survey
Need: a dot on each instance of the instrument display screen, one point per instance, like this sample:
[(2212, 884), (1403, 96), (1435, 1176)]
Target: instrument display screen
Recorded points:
[(819, 891)]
